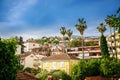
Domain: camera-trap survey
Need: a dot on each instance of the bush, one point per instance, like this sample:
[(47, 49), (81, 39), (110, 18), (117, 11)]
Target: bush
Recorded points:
[(93, 68), (58, 74), (109, 67), (79, 71), (9, 62), (42, 75)]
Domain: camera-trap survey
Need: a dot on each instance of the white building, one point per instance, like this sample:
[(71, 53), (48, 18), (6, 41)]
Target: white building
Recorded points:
[(111, 44), (29, 45), (18, 50), (32, 60)]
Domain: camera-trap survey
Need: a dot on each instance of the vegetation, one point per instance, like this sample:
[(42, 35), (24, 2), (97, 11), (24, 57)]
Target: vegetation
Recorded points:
[(56, 74), (113, 21), (75, 43), (9, 62), (63, 31), (69, 33), (106, 67), (20, 42), (42, 75), (32, 70), (103, 43), (103, 46), (52, 40), (81, 26)]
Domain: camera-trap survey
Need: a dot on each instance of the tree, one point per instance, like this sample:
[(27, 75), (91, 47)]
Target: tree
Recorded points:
[(103, 43), (101, 28), (63, 31), (75, 42), (110, 67), (58, 74), (79, 71), (9, 62), (108, 21), (21, 43), (69, 33), (81, 26)]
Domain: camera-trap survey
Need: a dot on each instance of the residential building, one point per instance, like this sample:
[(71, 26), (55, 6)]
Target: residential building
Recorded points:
[(56, 50), (32, 60), (18, 50), (30, 44), (111, 44), (62, 61), (89, 52)]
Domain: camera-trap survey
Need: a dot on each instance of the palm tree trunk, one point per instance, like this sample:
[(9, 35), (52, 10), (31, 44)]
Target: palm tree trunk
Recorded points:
[(64, 45), (82, 46)]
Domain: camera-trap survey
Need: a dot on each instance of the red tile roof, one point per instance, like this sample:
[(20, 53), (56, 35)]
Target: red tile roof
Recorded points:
[(25, 76), (59, 57)]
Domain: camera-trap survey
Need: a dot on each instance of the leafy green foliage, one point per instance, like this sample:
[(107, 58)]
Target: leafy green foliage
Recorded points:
[(109, 67), (103, 46), (32, 70), (9, 62), (43, 40), (42, 75), (79, 71), (58, 74), (75, 43), (93, 68), (91, 43)]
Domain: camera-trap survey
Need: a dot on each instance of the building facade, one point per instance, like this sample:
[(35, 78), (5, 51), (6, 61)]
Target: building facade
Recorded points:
[(59, 62)]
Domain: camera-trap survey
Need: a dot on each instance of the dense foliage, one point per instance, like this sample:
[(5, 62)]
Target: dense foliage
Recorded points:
[(107, 67), (103, 46), (75, 42), (9, 62), (56, 74), (52, 40), (32, 70)]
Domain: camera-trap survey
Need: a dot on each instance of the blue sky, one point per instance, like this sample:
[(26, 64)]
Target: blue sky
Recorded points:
[(37, 18)]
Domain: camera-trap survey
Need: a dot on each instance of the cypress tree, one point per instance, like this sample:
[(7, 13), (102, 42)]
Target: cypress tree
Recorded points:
[(103, 46)]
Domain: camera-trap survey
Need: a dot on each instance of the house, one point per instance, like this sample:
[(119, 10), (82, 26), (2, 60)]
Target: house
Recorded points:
[(18, 50), (29, 45), (62, 61), (32, 60), (56, 50)]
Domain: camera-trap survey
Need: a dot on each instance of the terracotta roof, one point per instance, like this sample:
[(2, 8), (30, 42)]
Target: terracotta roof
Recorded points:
[(26, 76), (59, 57)]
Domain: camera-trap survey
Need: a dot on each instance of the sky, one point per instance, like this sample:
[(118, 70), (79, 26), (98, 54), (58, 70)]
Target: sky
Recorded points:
[(38, 18)]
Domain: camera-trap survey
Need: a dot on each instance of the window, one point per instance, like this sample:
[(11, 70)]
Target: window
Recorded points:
[(22, 62), (47, 65), (54, 65), (62, 64)]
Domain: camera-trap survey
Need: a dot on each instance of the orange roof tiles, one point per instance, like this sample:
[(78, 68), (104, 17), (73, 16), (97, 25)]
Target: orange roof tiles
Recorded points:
[(59, 57)]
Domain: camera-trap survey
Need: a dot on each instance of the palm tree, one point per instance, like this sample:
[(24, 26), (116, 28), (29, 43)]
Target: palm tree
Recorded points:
[(108, 21), (111, 21), (103, 43), (101, 28), (69, 33), (81, 26), (63, 32)]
